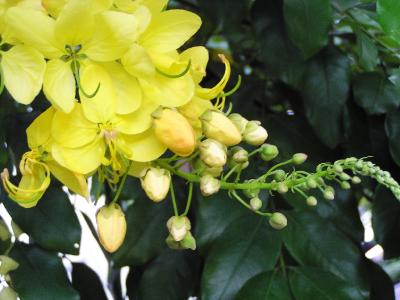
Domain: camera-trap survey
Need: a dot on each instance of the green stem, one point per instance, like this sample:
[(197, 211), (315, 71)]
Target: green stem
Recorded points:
[(276, 167), (171, 187), (245, 204), (121, 185), (189, 200), (231, 171)]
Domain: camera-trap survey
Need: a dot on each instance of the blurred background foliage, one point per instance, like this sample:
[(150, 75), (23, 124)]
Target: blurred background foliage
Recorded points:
[(323, 77)]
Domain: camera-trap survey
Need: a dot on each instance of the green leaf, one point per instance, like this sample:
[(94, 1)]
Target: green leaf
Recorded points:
[(345, 4), (5, 237), (386, 221), (381, 286), (314, 241), (267, 285), (52, 224), (367, 51), (325, 90), (40, 275), (308, 23), (171, 276), (375, 93), (312, 283), (247, 247), (87, 283), (146, 230), (392, 128), (388, 16)]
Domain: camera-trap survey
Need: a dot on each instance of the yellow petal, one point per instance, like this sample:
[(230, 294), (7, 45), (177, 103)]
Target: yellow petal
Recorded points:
[(143, 16), (169, 92), (54, 7), (144, 146), (23, 69), (59, 85), (170, 30), (82, 160), (137, 62), (74, 181), (194, 109), (101, 107), (115, 32), (199, 59), (155, 6), (137, 168), (75, 23), (127, 90), (36, 29), (138, 121), (39, 132), (73, 130)]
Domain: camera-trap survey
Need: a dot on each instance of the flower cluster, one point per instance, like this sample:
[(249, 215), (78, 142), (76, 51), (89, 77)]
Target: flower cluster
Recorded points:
[(122, 92)]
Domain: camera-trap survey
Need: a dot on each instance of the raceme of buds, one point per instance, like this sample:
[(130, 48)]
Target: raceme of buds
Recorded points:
[(269, 152), (213, 153), (299, 158), (155, 183), (255, 134), (239, 122), (219, 127), (111, 226), (255, 203), (278, 221), (209, 185), (174, 131), (178, 227)]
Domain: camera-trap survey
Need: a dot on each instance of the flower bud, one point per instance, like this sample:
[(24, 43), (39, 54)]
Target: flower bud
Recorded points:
[(279, 175), (255, 134), (111, 226), (219, 127), (239, 122), (345, 185), (178, 227), (7, 293), (239, 155), (174, 131), (7, 264), (329, 194), (188, 242), (338, 168), (269, 152), (209, 185), (251, 193), (213, 153), (282, 188), (344, 176), (203, 169), (278, 221), (255, 203), (155, 183), (299, 158), (311, 183), (311, 201)]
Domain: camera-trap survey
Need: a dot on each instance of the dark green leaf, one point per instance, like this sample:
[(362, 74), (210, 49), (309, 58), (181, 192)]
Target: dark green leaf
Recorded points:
[(269, 285), (53, 223), (380, 282), (392, 127), (367, 51), (325, 90), (247, 247), (314, 241), (171, 276), (308, 23), (345, 4), (386, 221), (87, 283), (311, 283), (375, 93), (388, 16), (40, 275)]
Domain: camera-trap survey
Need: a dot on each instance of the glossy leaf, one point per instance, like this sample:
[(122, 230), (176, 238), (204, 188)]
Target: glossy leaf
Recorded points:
[(388, 16), (87, 283), (367, 51)]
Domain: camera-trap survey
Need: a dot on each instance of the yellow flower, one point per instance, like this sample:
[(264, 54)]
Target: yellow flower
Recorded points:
[(79, 32), (36, 165), (93, 134)]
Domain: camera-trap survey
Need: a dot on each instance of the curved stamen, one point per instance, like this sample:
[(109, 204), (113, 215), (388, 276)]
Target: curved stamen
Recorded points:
[(183, 73), (75, 70)]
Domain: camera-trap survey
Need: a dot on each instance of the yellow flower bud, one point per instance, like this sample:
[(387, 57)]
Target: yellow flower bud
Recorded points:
[(209, 185), (174, 131), (178, 227), (111, 226), (213, 153), (155, 183), (8, 293), (239, 122), (278, 221), (7, 264), (217, 126), (255, 134), (203, 169)]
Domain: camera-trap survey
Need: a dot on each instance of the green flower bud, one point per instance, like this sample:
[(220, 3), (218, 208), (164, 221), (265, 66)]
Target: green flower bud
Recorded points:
[(255, 203), (299, 158), (16, 229), (255, 134), (329, 194), (239, 122), (320, 181), (203, 169), (239, 155), (344, 176), (172, 244), (359, 164), (213, 153), (178, 227), (311, 201), (209, 185), (338, 168), (7, 265), (345, 185), (279, 175), (269, 152), (188, 242), (7, 293), (278, 221), (251, 193), (282, 188), (311, 183), (155, 183)]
